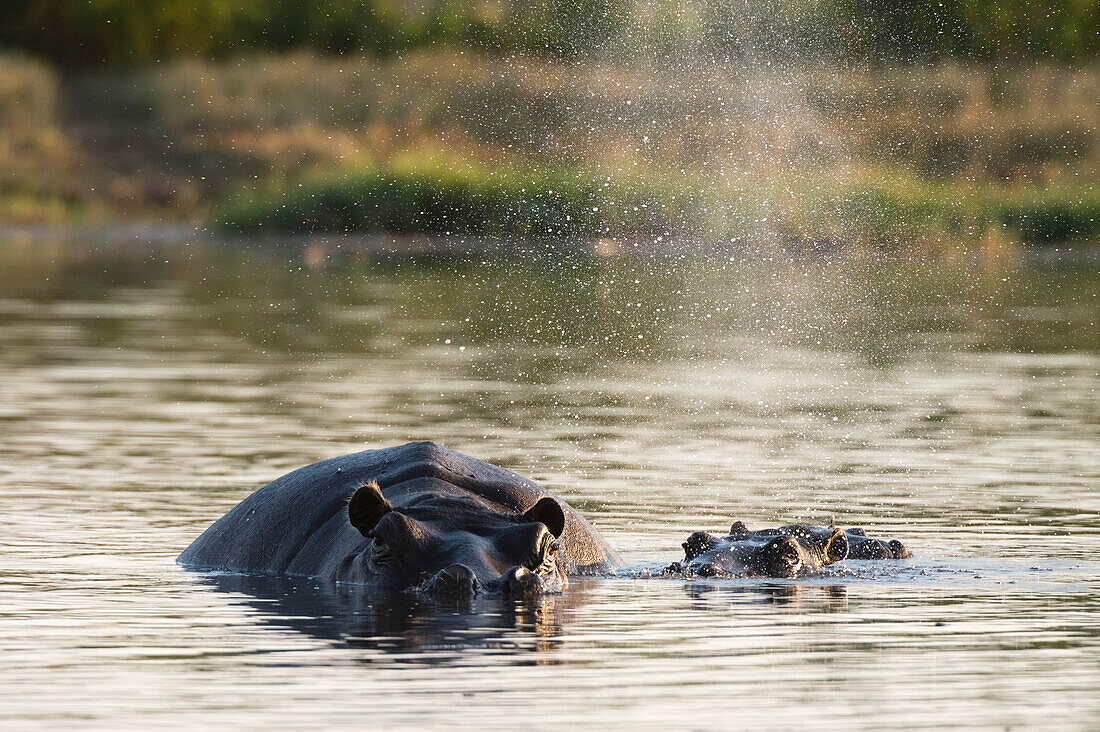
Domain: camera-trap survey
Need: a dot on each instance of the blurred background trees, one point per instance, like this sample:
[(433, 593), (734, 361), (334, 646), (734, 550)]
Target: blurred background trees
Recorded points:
[(81, 33)]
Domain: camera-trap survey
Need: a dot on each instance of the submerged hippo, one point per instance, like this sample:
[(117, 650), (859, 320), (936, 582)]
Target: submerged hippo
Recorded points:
[(788, 551), (415, 517)]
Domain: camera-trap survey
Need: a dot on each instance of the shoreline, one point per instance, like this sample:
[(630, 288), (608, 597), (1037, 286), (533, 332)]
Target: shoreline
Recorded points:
[(318, 250)]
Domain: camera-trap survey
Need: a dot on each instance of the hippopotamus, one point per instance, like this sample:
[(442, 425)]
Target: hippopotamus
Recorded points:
[(788, 551), (416, 517)]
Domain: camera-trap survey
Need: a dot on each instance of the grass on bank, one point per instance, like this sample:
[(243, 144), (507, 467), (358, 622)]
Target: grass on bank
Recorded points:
[(468, 198), (437, 195), (1032, 215)]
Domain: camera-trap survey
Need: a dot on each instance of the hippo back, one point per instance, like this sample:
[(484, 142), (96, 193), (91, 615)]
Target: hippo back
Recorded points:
[(298, 524)]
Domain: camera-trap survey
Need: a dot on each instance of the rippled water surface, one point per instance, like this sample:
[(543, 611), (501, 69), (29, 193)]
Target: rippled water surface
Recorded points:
[(955, 407)]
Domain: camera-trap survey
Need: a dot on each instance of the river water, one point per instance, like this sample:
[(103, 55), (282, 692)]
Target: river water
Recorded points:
[(955, 406)]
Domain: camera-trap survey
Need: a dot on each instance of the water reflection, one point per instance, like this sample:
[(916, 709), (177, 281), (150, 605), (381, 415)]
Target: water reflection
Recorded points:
[(420, 630), (610, 308), (788, 597), (410, 629)]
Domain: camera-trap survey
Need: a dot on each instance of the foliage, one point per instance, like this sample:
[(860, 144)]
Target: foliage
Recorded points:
[(1053, 216), (425, 194), (444, 195), (1033, 215), (81, 33)]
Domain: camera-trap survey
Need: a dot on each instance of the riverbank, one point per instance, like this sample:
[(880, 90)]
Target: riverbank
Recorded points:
[(46, 247), (899, 160)]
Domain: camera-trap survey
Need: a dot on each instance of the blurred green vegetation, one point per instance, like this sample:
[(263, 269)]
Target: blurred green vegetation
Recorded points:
[(446, 195), (441, 195), (80, 33), (1032, 215)]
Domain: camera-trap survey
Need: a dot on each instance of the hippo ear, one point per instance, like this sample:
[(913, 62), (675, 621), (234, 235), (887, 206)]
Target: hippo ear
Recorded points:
[(738, 528), (549, 513), (366, 506)]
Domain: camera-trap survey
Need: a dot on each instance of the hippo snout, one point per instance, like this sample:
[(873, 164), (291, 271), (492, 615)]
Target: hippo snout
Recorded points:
[(457, 580)]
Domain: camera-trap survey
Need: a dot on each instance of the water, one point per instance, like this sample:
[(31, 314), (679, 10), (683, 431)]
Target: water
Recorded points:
[(956, 407)]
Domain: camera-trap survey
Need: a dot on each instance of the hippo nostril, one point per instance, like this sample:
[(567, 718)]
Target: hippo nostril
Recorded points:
[(459, 573), (521, 582), (457, 579)]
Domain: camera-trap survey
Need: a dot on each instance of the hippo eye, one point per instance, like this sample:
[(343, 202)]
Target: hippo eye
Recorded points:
[(545, 549)]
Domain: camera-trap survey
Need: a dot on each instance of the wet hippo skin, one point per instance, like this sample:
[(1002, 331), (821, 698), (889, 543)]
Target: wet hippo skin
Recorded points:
[(861, 546), (418, 516), (787, 551)]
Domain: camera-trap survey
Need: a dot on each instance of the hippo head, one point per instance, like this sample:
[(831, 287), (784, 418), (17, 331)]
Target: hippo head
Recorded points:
[(824, 546), (454, 545), (786, 552), (711, 556), (862, 546)]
